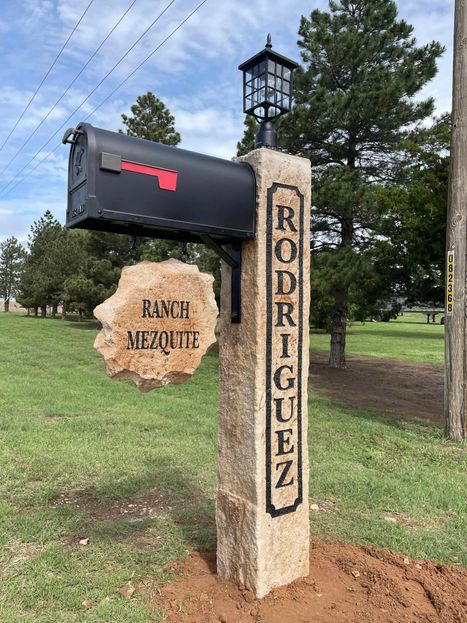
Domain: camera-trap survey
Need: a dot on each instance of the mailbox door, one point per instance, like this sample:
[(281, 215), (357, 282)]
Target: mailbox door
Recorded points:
[(78, 178)]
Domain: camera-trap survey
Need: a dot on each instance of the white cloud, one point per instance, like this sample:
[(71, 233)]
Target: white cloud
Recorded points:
[(211, 131), (18, 214)]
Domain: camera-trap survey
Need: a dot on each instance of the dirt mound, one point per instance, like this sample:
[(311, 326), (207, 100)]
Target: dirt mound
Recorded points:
[(347, 584), (391, 387)]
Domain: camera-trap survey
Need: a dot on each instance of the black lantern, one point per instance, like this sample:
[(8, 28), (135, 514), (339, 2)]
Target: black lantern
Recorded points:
[(267, 90)]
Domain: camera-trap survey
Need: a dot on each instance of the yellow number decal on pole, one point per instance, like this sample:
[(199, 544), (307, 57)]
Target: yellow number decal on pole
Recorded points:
[(450, 283)]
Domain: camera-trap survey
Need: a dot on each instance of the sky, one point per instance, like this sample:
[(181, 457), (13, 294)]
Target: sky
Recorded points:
[(195, 73)]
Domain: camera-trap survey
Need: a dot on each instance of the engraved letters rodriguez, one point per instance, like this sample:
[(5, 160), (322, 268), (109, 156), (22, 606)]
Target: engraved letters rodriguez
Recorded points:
[(284, 283)]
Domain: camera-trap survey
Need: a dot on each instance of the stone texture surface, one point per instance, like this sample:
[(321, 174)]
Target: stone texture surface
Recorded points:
[(261, 542), (158, 324)]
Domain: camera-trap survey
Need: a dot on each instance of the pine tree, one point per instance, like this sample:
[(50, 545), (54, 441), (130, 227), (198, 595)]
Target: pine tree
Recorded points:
[(355, 104), (95, 282), (151, 120), (11, 263), (38, 274), (248, 141), (53, 255), (418, 207)]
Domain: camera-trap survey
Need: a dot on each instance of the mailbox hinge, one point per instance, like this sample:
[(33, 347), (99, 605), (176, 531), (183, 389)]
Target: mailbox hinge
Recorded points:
[(234, 260)]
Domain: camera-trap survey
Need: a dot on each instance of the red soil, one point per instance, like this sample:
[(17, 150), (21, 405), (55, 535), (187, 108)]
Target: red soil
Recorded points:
[(346, 584)]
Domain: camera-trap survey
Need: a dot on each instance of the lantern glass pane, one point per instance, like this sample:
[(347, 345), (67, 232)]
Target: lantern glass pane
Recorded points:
[(271, 80), (262, 67), (286, 74), (271, 93), (262, 81), (286, 87), (272, 66)]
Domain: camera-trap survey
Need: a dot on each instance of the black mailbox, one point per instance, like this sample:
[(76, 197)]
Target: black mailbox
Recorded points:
[(123, 184)]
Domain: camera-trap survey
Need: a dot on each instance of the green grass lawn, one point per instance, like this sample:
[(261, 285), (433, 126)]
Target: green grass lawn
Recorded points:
[(66, 428), (407, 337)]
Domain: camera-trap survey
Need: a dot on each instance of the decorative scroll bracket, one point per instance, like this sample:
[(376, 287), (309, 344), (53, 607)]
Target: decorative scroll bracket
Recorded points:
[(234, 260)]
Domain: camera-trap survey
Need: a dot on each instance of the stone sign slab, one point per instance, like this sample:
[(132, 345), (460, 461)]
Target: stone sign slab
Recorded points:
[(158, 324)]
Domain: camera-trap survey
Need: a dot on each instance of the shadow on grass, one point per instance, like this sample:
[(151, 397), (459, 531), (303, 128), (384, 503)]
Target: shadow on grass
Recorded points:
[(127, 508), (395, 333), (84, 325), (418, 323), (70, 321), (420, 425)]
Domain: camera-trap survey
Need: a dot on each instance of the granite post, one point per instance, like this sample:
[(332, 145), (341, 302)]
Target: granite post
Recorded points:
[(262, 500)]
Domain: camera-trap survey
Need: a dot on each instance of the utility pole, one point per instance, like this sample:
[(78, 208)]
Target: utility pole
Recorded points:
[(455, 399)]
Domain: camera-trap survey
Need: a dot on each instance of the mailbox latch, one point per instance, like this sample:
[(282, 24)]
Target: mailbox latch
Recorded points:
[(71, 135)]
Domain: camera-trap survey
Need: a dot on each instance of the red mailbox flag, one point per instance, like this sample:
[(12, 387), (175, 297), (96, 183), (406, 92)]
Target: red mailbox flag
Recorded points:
[(167, 179)]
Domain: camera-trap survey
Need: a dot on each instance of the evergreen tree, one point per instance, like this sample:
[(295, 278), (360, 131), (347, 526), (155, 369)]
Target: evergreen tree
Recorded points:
[(95, 282), (355, 104), (248, 141), (11, 263), (151, 120), (53, 255), (416, 215), (102, 256), (38, 276), (113, 247)]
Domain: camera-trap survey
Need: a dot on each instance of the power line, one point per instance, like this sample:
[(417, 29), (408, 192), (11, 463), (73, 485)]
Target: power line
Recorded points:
[(7, 190), (95, 88), (145, 60), (46, 76), (67, 88)]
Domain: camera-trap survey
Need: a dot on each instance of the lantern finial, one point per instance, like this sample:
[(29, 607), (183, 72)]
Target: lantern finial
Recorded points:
[(269, 41)]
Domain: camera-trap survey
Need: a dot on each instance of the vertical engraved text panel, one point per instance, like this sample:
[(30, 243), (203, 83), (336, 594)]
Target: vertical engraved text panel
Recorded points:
[(284, 344)]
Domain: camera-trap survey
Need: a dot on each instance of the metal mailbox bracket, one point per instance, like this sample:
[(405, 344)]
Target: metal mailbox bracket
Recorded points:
[(234, 260)]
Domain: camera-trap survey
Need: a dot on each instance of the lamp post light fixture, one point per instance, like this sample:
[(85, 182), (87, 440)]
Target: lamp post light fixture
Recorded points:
[(267, 90)]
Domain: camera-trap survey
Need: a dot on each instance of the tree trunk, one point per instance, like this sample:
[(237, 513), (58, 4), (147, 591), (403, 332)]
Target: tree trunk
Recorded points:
[(338, 330), (80, 315), (43, 311), (36, 311), (63, 311), (54, 309), (340, 311), (29, 311), (6, 305)]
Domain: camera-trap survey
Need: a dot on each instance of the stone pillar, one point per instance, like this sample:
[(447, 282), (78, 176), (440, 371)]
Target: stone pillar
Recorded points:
[(262, 501)]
